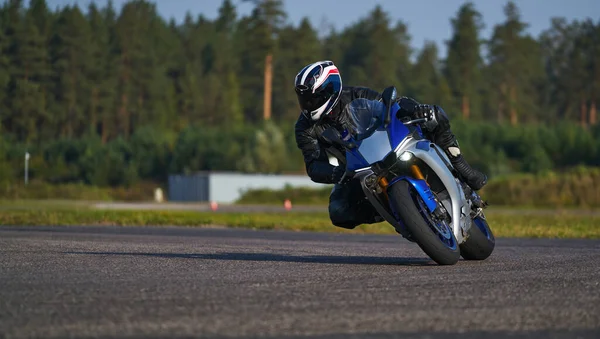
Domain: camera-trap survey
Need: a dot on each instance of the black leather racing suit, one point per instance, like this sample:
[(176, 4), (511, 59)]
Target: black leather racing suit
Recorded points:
[(348, 207)]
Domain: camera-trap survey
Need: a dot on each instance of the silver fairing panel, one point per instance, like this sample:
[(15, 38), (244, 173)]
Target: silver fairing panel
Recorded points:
[(377, 146), (461, 221)]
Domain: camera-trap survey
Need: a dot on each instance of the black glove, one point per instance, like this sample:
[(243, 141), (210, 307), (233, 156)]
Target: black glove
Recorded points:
[(338, 175), (424, 111)]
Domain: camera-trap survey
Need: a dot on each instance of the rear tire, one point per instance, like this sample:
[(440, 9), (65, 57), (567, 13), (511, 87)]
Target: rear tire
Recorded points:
[(403, 198), (481, 241)]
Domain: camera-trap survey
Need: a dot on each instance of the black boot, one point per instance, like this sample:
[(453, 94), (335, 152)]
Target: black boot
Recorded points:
[(447, 141), (472, 177)]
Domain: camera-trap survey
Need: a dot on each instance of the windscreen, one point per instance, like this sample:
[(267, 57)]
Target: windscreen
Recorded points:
[(367, 116)]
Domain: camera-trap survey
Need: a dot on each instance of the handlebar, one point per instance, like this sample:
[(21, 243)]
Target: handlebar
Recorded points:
[(415, 121)]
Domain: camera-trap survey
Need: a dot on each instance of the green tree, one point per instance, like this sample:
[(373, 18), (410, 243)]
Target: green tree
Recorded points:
[(579, 81), (41, 15), (257, 38), (101, 72), (383, 66), (28, 104), (270, 149), (140, 72), (70, 58), (289, 60), (568, 50), (222, 74), (227, 19), (463, 64), (4, 77), (516, 68), (556, 42), (44, 19), (189, 72), (428, 84), (375, 53), (592, 34)]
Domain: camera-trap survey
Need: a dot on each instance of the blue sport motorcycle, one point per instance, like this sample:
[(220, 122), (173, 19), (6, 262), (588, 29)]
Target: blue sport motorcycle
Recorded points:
[(411, 182)]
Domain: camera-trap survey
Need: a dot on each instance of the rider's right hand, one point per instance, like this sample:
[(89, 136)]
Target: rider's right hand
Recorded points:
[(424, 111)]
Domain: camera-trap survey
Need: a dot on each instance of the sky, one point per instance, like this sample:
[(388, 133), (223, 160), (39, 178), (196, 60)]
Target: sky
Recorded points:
[(427, 20)]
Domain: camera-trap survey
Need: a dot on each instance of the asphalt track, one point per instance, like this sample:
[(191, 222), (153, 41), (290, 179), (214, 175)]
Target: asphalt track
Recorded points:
[(189, 282)]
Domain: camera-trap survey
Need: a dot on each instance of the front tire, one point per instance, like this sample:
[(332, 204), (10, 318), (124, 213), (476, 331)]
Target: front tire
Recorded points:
[(481, 241), (404, 200)]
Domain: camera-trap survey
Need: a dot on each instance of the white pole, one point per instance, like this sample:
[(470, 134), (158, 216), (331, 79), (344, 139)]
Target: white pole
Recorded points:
[(26, 167)]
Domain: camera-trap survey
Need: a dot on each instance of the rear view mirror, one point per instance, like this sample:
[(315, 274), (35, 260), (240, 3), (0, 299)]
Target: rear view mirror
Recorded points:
[(389, 97)]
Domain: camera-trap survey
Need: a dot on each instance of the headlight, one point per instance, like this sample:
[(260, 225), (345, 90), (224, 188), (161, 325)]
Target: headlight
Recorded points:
[(406, 156)]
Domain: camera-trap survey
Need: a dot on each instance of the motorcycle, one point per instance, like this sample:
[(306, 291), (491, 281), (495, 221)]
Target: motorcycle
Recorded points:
[(410, 181)]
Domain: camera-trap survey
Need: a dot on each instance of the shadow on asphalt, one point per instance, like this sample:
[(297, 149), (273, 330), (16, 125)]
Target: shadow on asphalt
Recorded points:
[(533, 334), (317, 259)]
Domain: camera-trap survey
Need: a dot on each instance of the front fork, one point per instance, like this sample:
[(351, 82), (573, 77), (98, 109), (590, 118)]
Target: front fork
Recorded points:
[(419, 183), (376, 190)]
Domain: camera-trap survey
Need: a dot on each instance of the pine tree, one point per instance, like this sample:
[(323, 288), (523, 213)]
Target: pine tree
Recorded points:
[(193, 81), (402, 53), (227, 18), (592, 33), (28, 106), (380, 60), (578, 77), (375, 54), (4, 76), (43, 19), (228, 103), (289, 61), (556, 43), (257, 36), (138, 97), (463, 64), (101, 73), (161, 96), (568, 54), (71, 56), (516, 68), (41, 15), (428, 85)]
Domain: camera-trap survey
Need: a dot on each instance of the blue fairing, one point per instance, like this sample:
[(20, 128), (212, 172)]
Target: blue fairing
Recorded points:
[(354, 160), (397, 130), (422, 188), (424, 145)]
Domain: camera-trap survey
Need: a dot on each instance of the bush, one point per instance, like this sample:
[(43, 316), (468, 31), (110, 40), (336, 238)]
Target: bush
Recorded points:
[(40, 190), (300, 195), (150, 154), (578, 187)]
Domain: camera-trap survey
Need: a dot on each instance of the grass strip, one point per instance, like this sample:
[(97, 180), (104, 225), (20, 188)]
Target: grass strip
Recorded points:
[(503, 225)]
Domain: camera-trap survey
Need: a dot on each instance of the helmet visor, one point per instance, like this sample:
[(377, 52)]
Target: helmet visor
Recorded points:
[(310, 101)]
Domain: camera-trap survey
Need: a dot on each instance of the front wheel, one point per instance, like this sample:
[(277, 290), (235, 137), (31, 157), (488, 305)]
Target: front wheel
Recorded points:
[(481, 241), (435, 238)]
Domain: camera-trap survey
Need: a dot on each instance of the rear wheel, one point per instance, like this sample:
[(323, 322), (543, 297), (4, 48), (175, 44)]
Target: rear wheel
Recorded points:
[(434, 237), (481, 241)]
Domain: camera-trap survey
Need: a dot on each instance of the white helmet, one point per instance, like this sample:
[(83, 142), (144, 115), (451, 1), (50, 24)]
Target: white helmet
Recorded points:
[(318, 87)]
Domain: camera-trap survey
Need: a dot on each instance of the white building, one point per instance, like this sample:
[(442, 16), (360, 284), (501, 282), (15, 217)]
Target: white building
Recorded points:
[(228, 187)]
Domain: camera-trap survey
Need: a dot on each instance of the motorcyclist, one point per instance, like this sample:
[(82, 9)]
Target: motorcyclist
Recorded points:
[(322, 100)]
